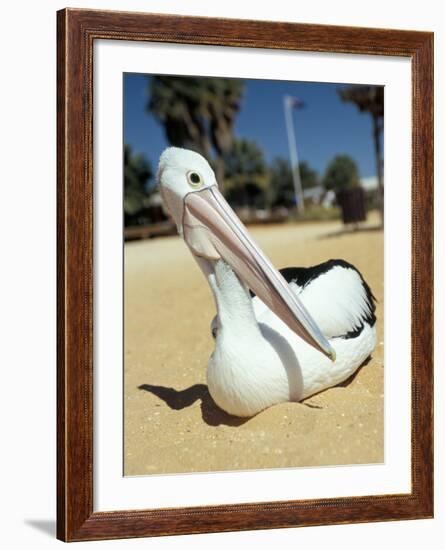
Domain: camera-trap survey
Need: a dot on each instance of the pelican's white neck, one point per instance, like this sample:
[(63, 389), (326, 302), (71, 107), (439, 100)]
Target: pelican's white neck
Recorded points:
[(233, 300)]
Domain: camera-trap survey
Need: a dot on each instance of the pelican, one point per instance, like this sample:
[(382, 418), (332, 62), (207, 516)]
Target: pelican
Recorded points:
[(279, 336)]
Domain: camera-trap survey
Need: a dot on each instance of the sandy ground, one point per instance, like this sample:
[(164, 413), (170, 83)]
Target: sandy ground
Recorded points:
[(171, 424)]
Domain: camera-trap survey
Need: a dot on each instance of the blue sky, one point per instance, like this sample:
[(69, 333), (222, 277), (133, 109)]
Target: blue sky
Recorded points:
[(324, 128)]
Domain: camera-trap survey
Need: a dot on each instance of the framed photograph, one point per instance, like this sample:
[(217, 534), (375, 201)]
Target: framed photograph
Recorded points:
[(245, 228)]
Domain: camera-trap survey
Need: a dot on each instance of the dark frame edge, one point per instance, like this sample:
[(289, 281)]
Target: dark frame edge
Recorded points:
[(261, 516), (74, 282), (423, 272), (75, 518), (61, 305)]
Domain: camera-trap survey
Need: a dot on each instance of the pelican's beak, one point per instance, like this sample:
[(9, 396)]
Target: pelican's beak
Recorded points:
[(213, 231)]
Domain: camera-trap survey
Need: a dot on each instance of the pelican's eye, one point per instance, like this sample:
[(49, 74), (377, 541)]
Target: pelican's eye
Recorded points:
[(194, 179)]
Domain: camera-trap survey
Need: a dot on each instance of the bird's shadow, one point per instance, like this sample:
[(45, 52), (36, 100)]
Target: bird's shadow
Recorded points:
[(181, 399), (211, 413)]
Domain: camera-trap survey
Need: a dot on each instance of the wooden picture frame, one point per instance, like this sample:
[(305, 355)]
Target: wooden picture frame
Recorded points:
[(76, 32)]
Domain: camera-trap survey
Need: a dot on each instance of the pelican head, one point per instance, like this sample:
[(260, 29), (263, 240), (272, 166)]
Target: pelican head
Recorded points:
[(213, 232)]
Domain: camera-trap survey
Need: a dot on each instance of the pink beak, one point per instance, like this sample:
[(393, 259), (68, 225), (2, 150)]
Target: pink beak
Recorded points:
[(213, 231)]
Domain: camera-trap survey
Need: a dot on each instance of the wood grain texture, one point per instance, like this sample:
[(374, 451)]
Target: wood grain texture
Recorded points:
[(76, 32)]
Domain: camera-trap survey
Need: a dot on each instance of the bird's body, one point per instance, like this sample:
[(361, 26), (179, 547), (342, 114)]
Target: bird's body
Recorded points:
[(259, 361), (305, 330)]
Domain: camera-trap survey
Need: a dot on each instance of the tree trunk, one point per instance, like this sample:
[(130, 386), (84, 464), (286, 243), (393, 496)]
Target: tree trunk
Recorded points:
[(377, 127), (219, 172)]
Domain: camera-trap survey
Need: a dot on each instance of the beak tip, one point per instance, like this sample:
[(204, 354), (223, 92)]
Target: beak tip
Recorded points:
[(333, 355)]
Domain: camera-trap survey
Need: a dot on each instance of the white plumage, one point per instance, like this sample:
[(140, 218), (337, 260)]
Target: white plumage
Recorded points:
[(338, 300), (259, 362), (316, 329)]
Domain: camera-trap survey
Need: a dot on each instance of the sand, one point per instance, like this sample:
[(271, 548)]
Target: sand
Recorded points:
[(171, 424)]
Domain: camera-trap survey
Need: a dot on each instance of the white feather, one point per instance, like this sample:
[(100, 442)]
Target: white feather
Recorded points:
[(336, 300), (259, 361)]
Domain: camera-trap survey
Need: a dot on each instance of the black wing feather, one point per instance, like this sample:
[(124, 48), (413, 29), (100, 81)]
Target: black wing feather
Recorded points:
[(303, 276)]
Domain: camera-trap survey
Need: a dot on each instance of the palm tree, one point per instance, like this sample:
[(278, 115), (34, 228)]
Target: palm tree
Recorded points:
[(341, 173), (197, 113), (369, 99), (281, 187), (245, 174), (137, 175), (342, 176), (309, 177)]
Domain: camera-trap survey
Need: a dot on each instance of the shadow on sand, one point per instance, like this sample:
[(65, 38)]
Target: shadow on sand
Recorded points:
[(350, 231), (211, 413), (180, 399)]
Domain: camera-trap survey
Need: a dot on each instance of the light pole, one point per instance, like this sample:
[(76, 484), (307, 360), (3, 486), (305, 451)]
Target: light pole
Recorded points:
[(289, 104)]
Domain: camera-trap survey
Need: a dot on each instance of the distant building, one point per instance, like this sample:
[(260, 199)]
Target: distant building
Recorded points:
[(369, 184), (156, 207), (318, 195)]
